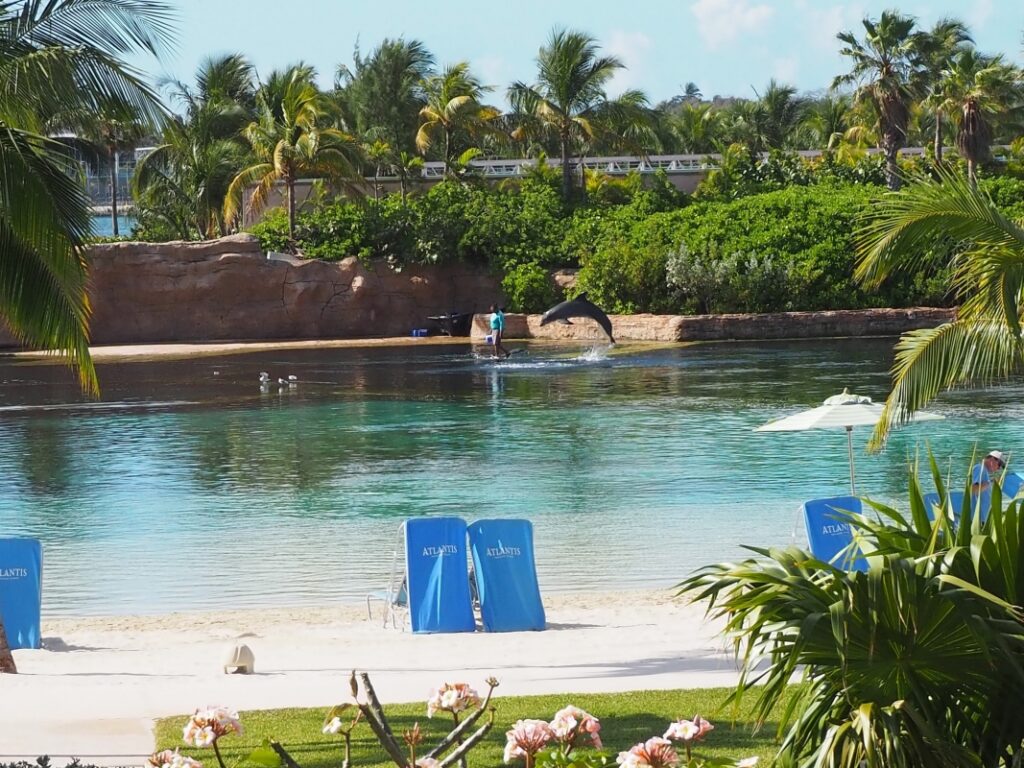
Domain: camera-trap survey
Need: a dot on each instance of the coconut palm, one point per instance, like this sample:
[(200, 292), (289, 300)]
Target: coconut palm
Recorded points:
[(778, 115), (113, 130), (569, 98), (695, 129), (183, 182), (288, 142), (59, 57), (380, 154), (885, 70), (827, 121), (938, 46), (984, 343), (453, 113)]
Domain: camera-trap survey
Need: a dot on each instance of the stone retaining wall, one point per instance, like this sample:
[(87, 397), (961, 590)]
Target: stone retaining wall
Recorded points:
[(780, 325), (228, 290)]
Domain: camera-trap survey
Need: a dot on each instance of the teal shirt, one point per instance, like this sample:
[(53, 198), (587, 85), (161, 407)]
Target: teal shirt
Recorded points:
[(498, 321)]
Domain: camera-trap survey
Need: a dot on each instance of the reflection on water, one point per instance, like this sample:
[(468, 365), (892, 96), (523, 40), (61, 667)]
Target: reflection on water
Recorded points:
[(189, 488)]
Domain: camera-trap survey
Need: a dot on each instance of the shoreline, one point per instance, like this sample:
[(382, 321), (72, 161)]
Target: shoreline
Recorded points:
[(100, 682)]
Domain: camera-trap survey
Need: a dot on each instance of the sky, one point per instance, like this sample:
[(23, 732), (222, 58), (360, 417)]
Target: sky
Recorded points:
[(727, 47)]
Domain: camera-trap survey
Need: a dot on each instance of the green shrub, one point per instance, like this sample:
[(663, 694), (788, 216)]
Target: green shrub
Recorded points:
[(529, 288), (625, 278)]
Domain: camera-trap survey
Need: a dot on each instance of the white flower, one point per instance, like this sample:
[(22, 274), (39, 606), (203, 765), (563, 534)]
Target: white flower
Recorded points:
[(747, 762), (452, 697), (427, 762), (333, 726), (169, 759), (208, 725), (683, 730)]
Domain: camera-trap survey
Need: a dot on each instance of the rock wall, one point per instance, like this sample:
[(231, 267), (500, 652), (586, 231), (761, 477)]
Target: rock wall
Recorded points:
[(781, 325), (227, 289)]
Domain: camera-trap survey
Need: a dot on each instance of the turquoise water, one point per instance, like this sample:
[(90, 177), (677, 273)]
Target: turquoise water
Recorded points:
[(187, 488), (102, 226)]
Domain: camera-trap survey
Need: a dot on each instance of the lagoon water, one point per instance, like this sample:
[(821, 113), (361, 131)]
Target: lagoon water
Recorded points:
[(186, 488)]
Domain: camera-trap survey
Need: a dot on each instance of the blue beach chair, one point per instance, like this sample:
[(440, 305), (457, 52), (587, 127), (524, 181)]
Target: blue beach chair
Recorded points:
[(1012, 483), (436, 575), (21, 591), (828, 535), (506, 575)]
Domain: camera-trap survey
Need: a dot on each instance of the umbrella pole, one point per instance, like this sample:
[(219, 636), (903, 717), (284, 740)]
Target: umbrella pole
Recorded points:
[(849, 444)]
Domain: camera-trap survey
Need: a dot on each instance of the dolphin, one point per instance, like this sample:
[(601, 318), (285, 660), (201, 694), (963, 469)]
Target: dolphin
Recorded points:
[(579, 307)]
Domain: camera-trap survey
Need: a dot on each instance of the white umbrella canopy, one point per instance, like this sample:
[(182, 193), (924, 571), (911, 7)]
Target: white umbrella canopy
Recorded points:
[(842, 411)]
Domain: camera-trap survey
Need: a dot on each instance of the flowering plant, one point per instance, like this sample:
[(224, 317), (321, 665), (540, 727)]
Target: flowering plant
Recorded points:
[(452, 697), (571, 726), (526, 739), (206, 726), (172, 759)]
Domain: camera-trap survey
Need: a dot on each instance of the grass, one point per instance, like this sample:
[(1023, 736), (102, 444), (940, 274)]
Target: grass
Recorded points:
[(626, 719)]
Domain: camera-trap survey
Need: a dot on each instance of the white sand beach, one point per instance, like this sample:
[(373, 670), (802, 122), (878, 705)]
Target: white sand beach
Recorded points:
[(98, 684)]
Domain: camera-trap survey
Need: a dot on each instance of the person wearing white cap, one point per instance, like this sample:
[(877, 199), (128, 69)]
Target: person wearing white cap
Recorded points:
[(981, 475)]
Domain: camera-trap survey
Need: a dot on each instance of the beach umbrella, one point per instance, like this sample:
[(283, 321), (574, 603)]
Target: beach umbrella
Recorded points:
[(844, 411)]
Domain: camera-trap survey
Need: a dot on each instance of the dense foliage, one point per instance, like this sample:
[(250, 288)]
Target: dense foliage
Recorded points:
[(650, 251), (915, 662)]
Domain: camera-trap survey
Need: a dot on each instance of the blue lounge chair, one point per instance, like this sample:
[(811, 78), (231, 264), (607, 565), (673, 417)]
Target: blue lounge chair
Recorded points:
[(956, 504), (21, 591), (436, 575), (828, 535), (506, 576), (1012, 483)]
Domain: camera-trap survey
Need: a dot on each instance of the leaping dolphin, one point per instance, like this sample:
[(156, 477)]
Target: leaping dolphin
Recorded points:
[(579, 307)]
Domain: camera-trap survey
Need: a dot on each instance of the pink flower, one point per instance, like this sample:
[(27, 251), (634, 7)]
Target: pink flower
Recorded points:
[(526, 739), (427, 762), (689, 730), (452, 697), (208, 725), (747, 762), (656, 752), (169, 759), (572, 725)]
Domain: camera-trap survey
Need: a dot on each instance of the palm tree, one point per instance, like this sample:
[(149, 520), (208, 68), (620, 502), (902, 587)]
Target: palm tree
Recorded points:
[(938, 46), (979, 88), (984, 343), (695, 129), (59, 57), (827, 121), (885, 70), (114, 129), (382, 94), (183, 182), (779, 113), (409, 168), (569, 97), (288, 142), (379, 154), (453, 112)]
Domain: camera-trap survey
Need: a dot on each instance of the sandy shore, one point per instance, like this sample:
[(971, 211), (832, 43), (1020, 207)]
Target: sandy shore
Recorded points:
[(98, 683)]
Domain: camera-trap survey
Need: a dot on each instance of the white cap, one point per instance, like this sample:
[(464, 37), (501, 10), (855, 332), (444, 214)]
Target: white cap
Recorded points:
[(998, 456)]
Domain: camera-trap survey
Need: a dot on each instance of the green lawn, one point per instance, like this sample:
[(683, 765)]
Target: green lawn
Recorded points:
[(626, 718)]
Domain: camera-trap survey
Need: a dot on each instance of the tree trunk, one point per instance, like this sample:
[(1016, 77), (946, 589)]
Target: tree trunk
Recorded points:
[(566, 173), (6, 657), (113, 191), (972, 173), (892, 170), (401, 185), (376, 175), (290, 184), (938, 137), (447, 152)]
